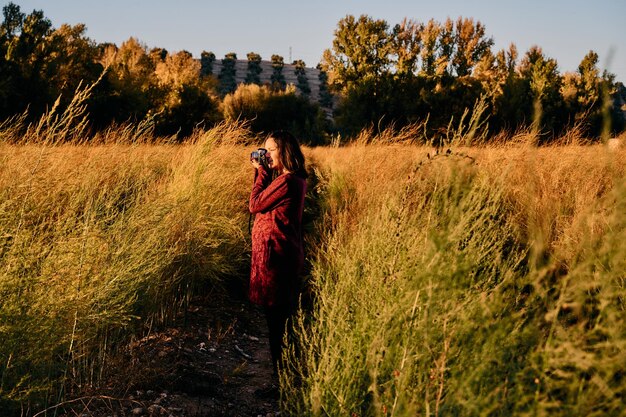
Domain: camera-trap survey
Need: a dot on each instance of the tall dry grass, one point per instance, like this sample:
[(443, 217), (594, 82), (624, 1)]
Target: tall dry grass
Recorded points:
[(487, 281), (98, 243)]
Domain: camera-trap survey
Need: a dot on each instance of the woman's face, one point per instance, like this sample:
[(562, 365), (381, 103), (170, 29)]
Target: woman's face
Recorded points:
[(272, 151)]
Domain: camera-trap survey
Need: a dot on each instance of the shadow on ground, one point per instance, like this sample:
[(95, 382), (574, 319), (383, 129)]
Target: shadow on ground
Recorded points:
[(213, 361)]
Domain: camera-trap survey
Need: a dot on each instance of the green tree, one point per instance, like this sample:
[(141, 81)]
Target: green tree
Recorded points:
[(25, 55), (303, 81), (406, 46), (206, 63), (278, 79), (71, 59), (10, 76), (325, 96), (178, 69), (361, 50), (544, 82), (253, 75), (158, 55), (13, 19), (28, 49), (227, 80), (40, 63), (593, 98), (497, 73), (588, 86), (486, 71)]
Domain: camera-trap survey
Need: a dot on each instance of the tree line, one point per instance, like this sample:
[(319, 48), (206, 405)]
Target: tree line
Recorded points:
[(42, 66), (374, 75), (415, 71)]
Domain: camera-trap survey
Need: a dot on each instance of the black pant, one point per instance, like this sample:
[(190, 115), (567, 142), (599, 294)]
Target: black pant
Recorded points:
[(277, 317)]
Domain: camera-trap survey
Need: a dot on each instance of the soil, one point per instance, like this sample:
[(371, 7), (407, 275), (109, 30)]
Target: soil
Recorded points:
[(213, 361)]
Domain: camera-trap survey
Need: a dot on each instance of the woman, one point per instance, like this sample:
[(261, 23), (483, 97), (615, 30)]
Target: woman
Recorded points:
[(277, 253)]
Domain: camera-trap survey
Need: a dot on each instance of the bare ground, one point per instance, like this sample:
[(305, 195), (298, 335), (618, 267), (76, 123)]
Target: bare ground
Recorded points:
[(213, 361)]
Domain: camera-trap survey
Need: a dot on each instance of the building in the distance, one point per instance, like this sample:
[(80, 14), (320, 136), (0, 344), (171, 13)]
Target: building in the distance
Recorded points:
[(310, 82)]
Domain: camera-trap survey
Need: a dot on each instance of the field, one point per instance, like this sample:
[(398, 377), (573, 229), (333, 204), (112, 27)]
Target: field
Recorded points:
[(479, 281)]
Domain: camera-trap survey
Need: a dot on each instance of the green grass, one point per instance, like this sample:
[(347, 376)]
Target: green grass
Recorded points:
[(450, 288)]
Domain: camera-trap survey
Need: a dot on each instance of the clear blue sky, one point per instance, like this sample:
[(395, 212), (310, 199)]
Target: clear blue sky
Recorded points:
[(565, 29)]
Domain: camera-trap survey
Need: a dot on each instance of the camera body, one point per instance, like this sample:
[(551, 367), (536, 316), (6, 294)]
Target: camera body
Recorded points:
[(260, 156)]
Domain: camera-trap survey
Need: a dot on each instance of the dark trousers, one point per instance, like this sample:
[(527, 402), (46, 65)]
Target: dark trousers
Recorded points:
[(277, 317)]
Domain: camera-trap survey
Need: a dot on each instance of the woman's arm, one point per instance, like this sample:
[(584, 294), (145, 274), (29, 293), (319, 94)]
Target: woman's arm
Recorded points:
[(264, 196)]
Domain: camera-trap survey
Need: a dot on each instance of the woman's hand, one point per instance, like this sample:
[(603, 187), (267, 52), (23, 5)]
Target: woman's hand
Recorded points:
[(255, 163)]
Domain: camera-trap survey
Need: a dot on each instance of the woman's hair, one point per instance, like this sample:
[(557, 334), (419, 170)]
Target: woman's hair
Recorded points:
[(290, 153)]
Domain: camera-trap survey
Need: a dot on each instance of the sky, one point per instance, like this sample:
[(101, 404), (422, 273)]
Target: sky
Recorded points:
[(566, 30)]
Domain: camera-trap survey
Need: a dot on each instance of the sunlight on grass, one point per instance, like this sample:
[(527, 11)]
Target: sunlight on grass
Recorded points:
[(487, 280), (458, 286)]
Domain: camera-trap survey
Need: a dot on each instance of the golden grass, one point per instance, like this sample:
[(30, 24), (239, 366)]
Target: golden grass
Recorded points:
[(445, 283), (101, 242), (472, 283)]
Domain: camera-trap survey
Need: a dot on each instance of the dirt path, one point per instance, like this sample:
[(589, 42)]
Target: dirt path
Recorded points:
[(213, 362)]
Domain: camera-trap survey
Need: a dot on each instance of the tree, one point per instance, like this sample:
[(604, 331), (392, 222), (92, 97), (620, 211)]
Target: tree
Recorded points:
[(178, 69), (303, 81), (486, 71), (361, 50), (325, 97), (471, 45), (430, 36), (131, 82), (544, 83), (28, 49), (188, 98), (406, 46), (228, 83), (25, 52), (445, 48), (206, 63), (588, 86), (157, 55), (71, 59), (254, 69), (497, 73), (132, 64), (10, 76), (13, 19), (278, 79), (593, 98)]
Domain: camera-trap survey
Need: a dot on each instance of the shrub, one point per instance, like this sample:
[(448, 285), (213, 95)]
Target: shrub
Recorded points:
[(267, 110)]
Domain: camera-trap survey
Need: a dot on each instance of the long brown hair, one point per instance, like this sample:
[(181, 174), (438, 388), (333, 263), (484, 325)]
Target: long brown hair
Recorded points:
[(290, 153)]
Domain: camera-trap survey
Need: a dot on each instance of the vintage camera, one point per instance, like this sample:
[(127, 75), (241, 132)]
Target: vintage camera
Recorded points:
[(260, 155)]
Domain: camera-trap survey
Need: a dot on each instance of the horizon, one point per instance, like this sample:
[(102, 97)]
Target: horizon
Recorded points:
[(304, 31)]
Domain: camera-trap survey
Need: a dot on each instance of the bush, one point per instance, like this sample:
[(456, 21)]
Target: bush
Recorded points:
[(268, 110)]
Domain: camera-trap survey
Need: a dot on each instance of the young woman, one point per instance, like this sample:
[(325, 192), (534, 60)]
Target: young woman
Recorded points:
[(277, 253)]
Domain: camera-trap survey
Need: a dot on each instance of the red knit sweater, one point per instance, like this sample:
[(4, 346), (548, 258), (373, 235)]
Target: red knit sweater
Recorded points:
[(277, 254)]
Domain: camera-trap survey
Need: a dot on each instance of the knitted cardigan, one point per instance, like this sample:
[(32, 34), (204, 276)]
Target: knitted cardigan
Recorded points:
[(277, 253)]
